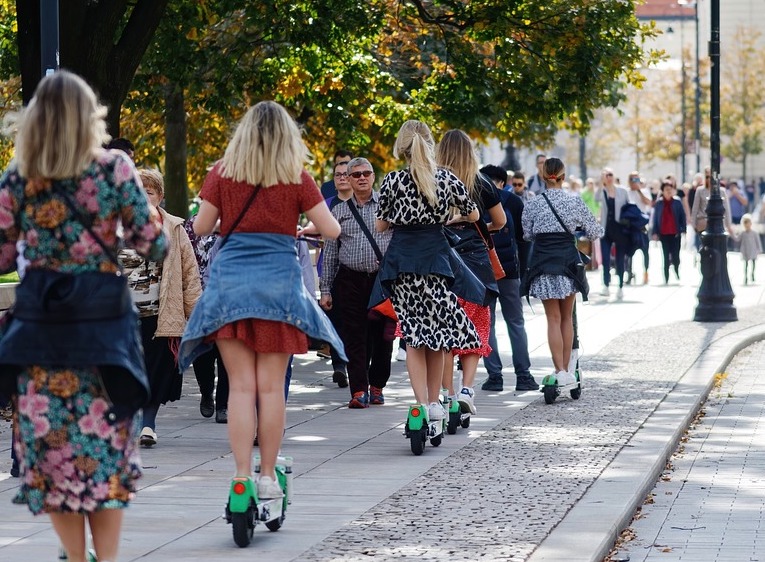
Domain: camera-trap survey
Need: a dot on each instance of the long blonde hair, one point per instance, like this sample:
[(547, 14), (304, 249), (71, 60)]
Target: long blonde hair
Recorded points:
[(456, 152), (266, 148), (415, 143), (59, 133)]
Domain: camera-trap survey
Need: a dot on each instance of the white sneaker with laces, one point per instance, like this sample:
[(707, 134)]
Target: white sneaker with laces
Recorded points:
[(565, 378), (619, 294), (401, 355), (604, 292), (436, 411), (268, 488), (466, 400)]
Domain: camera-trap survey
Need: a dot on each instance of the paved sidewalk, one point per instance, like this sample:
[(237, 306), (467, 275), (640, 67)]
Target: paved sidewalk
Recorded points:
[(509, 488), (709, 505)]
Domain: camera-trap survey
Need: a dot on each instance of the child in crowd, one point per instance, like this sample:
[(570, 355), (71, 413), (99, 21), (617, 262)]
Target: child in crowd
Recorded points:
[(751, 247)]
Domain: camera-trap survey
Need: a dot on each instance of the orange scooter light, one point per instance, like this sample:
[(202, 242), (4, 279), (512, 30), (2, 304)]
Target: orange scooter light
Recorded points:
[(416, 412), (239, 488)]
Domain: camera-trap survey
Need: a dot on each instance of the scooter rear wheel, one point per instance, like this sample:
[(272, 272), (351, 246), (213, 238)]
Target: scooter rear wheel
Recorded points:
[(417, 441), (244, 526)]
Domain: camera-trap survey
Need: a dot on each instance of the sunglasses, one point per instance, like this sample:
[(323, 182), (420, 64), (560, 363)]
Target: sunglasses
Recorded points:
[(609, 175), (365, 173), (634, 180), (517, 184)]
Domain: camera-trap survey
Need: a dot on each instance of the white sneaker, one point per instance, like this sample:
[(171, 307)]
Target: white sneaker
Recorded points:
[(466, 400), (268, 488), (565, 378), (436, 411), (604, 292), (401, 355), (619, 294), (148, 437)]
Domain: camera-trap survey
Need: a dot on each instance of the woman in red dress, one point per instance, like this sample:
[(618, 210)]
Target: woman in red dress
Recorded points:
[(266, 151)]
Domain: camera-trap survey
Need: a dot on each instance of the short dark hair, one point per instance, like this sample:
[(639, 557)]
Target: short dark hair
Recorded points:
[(340, 153), (497, 173), (519, 176), (120, 144)]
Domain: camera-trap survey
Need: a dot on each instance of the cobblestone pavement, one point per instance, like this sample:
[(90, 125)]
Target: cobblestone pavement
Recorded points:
[(498, 498), (709, 504), (504, 490)]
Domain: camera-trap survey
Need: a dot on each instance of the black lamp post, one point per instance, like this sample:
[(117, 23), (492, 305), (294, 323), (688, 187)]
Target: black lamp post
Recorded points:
[(715, 294), (49, 49)]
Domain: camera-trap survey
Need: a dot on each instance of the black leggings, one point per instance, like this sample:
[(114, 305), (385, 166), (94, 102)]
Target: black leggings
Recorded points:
[(670, 245)]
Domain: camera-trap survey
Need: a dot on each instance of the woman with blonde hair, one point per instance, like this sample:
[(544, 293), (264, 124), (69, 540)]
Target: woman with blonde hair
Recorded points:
[(254, 307), (457, 153), (419, 272), (66, 197)]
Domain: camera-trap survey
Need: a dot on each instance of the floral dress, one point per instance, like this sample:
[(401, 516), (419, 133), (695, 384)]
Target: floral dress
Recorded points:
[(428, 312), (73, 459)]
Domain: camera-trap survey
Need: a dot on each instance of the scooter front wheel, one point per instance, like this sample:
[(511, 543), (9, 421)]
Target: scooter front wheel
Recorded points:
[(276, 524), (551, 393)]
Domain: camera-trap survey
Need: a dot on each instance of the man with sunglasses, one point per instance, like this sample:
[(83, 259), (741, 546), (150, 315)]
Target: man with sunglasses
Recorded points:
[(518, 185), (347, 278)]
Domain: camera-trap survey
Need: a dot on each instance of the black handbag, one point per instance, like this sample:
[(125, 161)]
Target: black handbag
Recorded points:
[(578, 269), (73, 320)]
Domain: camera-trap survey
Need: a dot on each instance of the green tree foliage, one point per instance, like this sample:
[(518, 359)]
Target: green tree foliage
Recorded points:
[(742, 98), (351, 72)]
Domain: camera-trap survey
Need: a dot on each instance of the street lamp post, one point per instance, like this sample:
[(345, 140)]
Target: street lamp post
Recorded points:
[(715, 294), (49, 35)]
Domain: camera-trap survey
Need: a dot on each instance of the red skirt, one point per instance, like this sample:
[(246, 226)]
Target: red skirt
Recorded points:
[(480, 316), (264, 336)]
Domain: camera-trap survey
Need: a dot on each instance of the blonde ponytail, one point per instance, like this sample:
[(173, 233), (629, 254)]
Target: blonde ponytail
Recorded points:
[(415, 144)]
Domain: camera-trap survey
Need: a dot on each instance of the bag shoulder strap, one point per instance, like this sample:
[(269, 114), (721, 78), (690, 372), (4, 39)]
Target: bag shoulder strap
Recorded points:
[(557, 216), (240, 217), (87, 222), (355, 212)]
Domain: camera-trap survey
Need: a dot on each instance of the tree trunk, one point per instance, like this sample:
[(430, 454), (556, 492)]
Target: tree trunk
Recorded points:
[(103, 42), (176, 189), (30, 50)]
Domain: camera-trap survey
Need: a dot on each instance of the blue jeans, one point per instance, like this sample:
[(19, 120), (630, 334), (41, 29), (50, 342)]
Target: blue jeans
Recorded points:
[(512, 311)]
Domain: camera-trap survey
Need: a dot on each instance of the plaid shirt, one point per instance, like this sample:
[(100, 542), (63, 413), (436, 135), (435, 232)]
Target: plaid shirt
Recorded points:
[(352, 248)]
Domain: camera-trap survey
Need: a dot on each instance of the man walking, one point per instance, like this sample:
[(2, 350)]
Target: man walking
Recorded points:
[(536, 182), (509, 244), (347, 278)]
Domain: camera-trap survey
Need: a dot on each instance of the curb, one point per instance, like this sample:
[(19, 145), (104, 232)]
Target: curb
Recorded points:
[(589, 530)]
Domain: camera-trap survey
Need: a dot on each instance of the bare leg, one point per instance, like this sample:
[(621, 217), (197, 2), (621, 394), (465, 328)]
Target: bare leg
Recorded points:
[(435, 368), (240, 363), (554, 335), (447, 380), (106, 525), (70, 528), (567, 328), (469, 368), (417, 366), (271, 368)]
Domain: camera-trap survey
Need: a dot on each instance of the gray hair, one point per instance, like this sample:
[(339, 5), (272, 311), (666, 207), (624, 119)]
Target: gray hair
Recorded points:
[(359, 161)]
